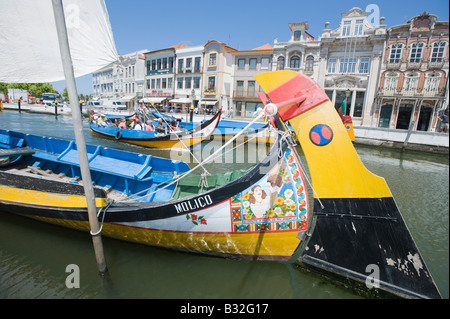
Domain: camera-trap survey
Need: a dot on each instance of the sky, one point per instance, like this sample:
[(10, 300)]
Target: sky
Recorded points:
[(241, 24)]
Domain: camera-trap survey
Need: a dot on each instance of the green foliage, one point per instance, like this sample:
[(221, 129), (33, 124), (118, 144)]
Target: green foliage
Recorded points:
[(35, 88)]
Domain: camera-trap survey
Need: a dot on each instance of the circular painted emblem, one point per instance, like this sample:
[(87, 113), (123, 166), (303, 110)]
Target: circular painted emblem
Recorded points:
[(321, 135)]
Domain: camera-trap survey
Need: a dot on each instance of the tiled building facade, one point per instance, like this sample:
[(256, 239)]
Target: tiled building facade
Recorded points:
[(414, 75)]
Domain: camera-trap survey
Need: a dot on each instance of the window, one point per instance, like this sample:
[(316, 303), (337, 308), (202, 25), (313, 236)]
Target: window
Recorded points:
[(158, 83), (164, 83), (297, 35), (364, 65), (189, 63), (169, 83), (187, 82), (359, 27), (153, 64), (347, 65), (158, 63), (179, 83), (295, 62), (197, 82), (416, 52), (153, 84), (241, 64), (332, 65), (197, 65), (240, 88), (438, 52), (180, 65), (252, 63), (280, 63), (212, 83), (432, 83), (390, 82), (171, 62), (411, 82), (164, 63), (251, 88), (346, 28), (148, 65), (148, 84), (213, 59), (264, 63), (396, 53), (309, 63)]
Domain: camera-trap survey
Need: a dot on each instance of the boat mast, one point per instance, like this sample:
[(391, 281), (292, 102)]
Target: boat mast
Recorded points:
[(66, 58)]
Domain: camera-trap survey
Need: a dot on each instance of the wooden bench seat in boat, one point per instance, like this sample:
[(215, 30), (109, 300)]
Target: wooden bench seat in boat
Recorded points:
[(192, 184), (103, 161)]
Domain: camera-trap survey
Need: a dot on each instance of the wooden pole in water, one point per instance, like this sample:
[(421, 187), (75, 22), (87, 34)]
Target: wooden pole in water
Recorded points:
[(66, 58)]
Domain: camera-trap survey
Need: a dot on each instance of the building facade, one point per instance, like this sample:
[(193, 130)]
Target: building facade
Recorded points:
[(414, 75), (122, 80), (300, 53), (159, 77), (247, 64), (188, 77), (132, 86), (349, 63), (217, 76)]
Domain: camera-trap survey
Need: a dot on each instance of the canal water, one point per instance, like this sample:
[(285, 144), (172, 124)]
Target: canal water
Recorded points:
[(34, 255)]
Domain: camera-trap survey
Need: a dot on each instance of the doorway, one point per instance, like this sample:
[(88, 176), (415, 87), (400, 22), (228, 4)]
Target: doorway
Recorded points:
[(385, 116), (404, 116), (424, 118)]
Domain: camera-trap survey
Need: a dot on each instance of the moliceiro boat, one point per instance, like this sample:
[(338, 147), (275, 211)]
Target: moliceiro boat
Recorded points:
[(176, 139), (260, 213)]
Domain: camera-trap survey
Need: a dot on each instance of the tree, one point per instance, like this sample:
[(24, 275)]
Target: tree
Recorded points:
[(4, 88), (36, 88)]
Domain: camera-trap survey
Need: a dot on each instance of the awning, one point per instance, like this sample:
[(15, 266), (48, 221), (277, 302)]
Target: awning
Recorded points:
[(152, 99), (127, 98), (181, 101), (208, 102)]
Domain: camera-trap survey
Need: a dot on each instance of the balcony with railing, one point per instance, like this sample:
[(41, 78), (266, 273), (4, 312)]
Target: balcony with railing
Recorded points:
[(187, 70), (414, 64), (244, 94), (436, 63), (393, 64)]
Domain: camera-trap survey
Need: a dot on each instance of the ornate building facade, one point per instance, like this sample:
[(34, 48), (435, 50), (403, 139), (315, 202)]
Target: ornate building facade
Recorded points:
[(414, 75), (349, 64)]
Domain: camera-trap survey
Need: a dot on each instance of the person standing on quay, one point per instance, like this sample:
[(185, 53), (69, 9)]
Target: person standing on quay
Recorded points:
[(444, 121)]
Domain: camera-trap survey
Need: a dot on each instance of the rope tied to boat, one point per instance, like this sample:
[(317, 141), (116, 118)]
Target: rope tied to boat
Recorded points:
[(104, 209), (203, 183)]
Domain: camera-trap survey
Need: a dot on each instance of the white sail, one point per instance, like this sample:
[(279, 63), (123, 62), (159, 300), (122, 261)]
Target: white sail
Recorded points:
[(29, 49)]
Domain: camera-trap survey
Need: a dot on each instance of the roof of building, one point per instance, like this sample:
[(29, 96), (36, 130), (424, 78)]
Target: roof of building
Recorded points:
[(264, 47), (179, 46)]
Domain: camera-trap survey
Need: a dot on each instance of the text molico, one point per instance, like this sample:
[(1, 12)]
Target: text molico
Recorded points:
[(193, 204)]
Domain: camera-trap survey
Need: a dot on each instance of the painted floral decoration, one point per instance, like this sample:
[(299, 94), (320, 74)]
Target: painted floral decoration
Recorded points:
[(196, 220)]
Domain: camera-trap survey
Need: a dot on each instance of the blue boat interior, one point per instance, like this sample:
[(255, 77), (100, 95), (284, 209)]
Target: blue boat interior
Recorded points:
[(126, 172)]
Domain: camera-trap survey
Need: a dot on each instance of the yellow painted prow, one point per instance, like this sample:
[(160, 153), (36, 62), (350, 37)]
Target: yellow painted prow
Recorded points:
[(335, 168)]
